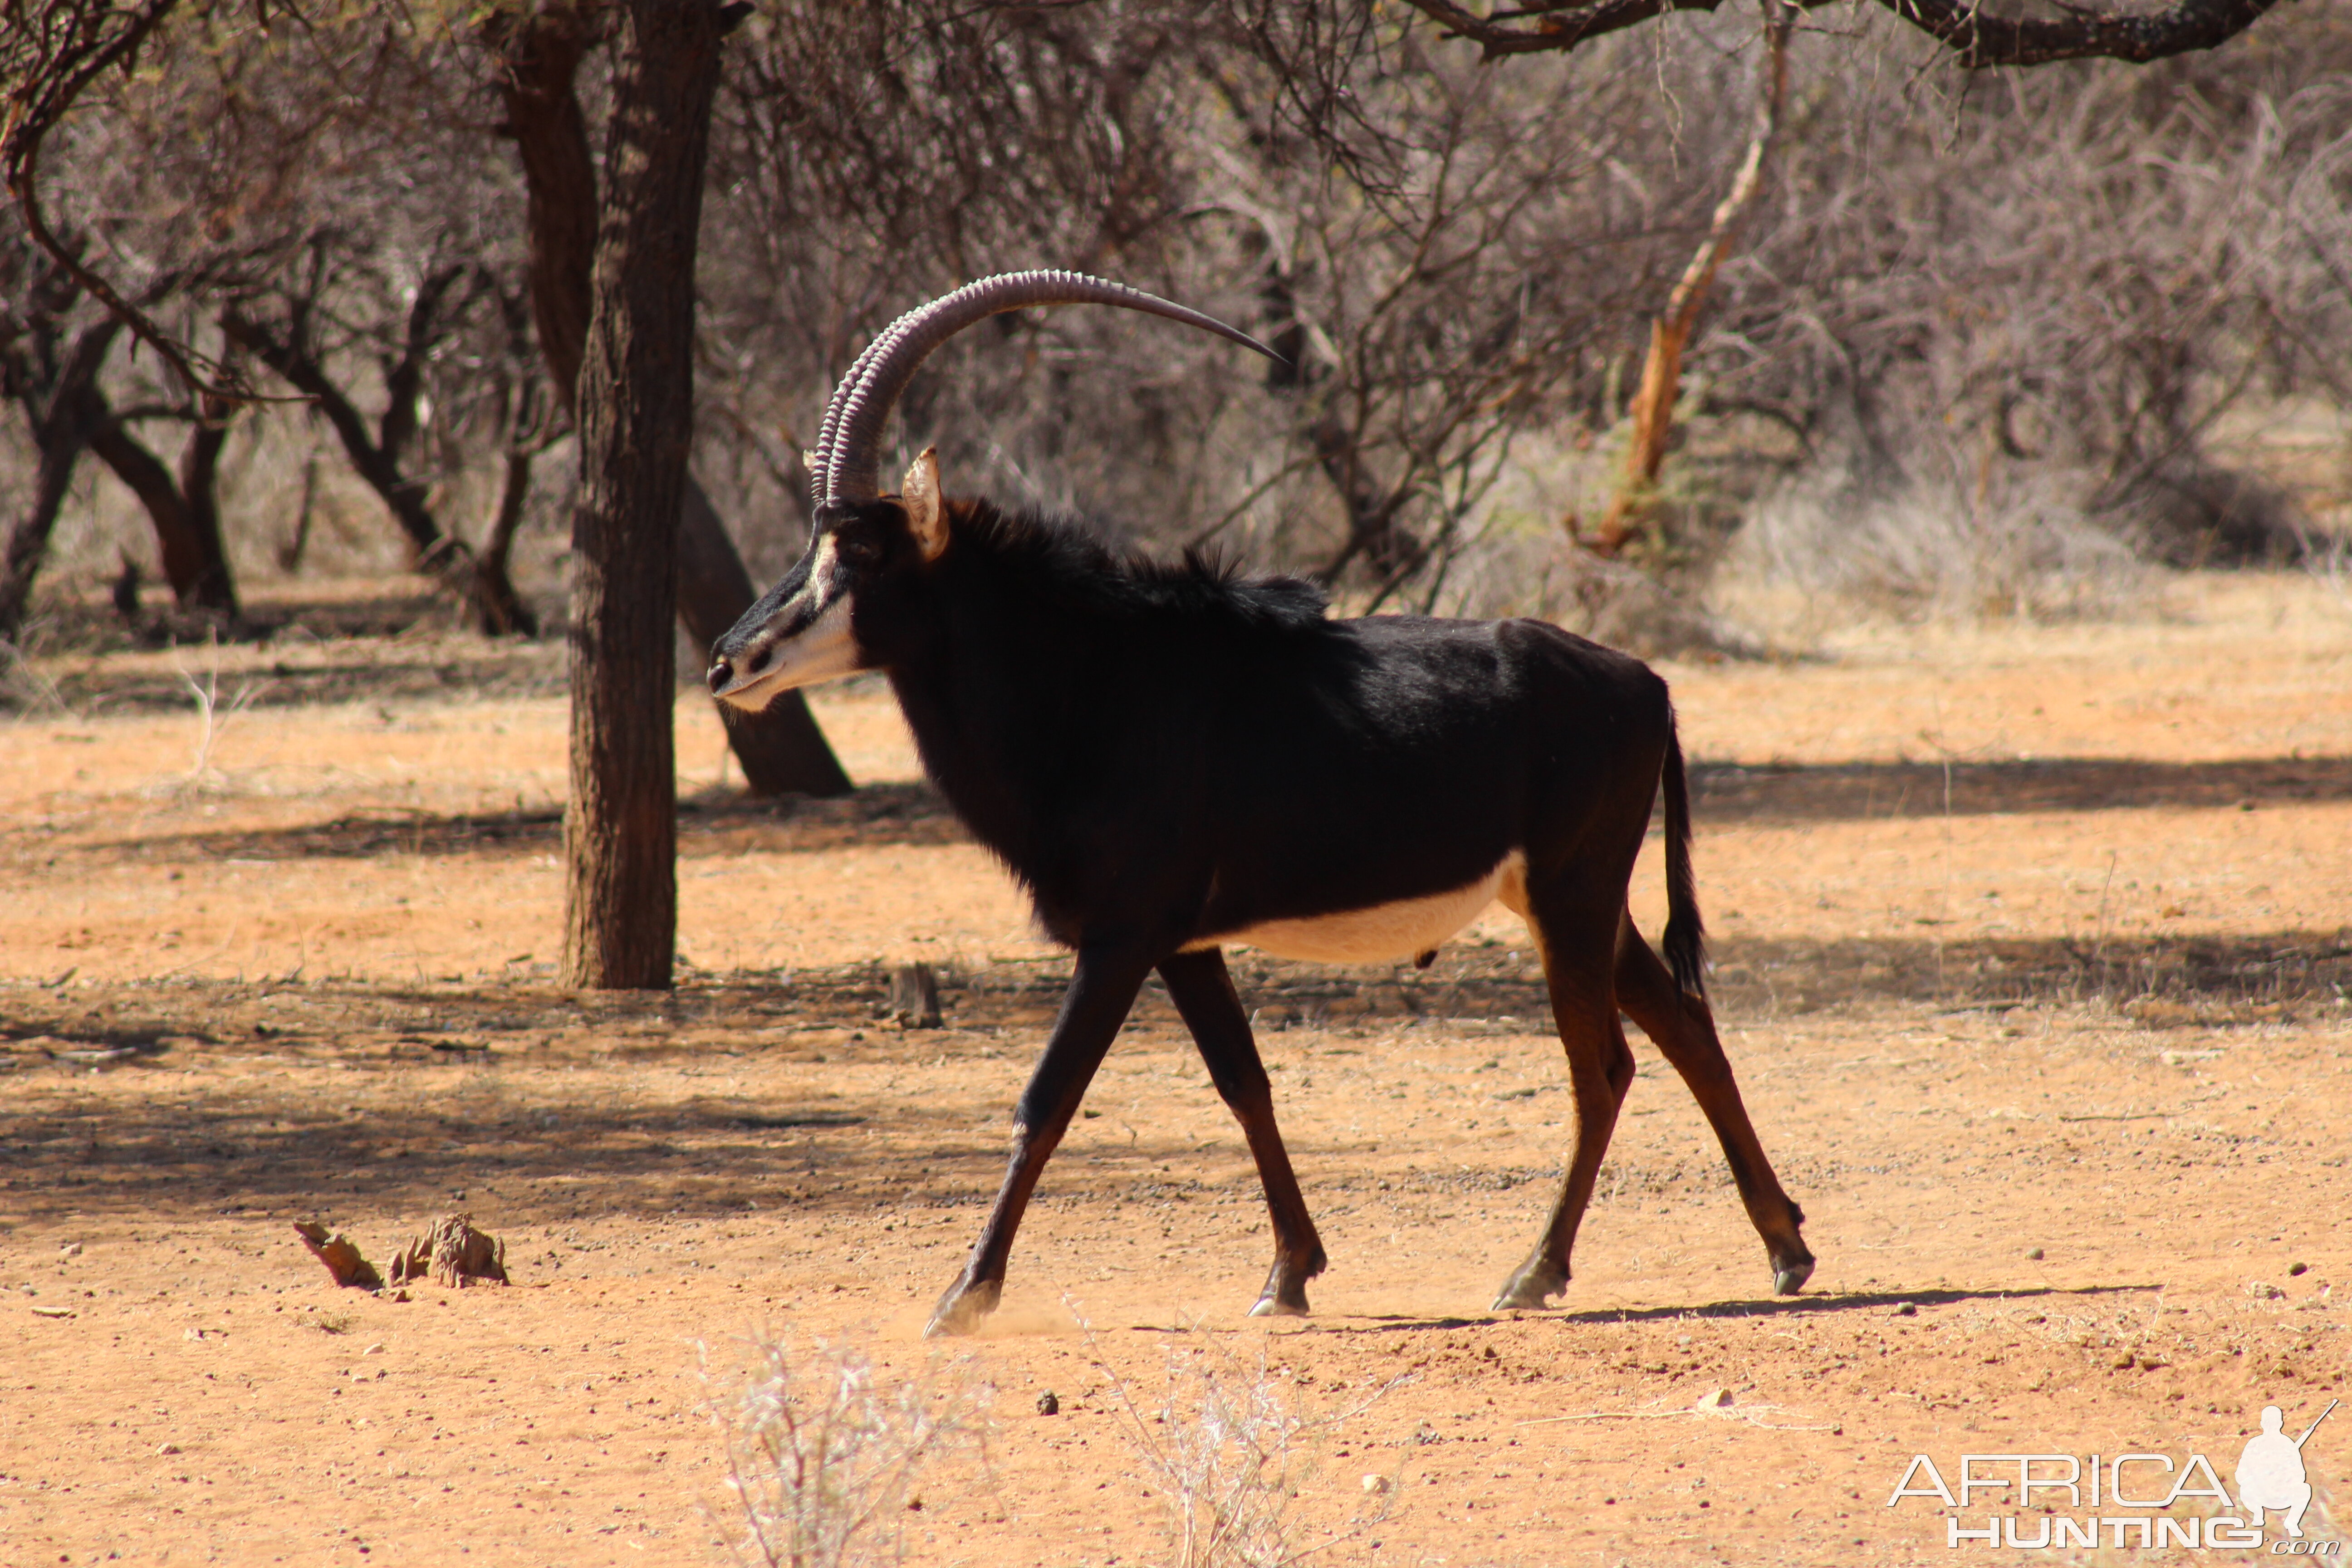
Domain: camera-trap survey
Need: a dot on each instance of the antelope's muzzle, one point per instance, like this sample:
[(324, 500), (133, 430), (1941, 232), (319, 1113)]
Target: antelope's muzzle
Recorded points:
[(798, 634)]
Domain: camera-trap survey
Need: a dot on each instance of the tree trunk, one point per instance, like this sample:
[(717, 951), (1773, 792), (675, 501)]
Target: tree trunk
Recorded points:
[(636, 427), (210, 586), (142, 473), (59, 432), (538, 52), (189, 545), (1661, 371), (493, 584)]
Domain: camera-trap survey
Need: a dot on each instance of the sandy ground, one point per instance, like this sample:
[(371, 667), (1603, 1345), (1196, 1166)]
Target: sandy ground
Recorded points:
[(2032, 955)]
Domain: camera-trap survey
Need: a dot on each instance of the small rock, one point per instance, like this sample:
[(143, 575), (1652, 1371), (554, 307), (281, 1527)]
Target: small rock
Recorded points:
[(2296, 1270), (1907, 1310), (1715, 1399), (169, 1449), (2034, 1253), (52, 1312), (192, 1333), (2263, 1290), (1047, 1404), (96, 1059), (70, 1250), (371, 1349), (1376, 1483), (915, 996)]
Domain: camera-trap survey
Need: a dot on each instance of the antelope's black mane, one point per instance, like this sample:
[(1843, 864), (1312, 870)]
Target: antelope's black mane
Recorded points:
[(1061, 560)]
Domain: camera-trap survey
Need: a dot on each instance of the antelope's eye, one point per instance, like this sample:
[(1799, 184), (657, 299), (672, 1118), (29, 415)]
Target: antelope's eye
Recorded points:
[(858, 549)]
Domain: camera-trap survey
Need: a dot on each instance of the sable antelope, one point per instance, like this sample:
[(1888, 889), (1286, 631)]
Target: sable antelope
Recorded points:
[(1173, 757)]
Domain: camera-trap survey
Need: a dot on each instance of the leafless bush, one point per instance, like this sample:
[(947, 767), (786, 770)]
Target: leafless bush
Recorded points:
[(1232, 1451), (1978, 327), (328, 184), (825, 1450), (1466, 289), (2025, 305)]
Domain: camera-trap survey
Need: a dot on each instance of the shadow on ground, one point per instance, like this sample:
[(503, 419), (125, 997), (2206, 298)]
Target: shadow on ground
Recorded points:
[(1845, 792), (421, 1105), (1488, 988), (714, 822), (1873, 1302), (717, 823), (407, 653)]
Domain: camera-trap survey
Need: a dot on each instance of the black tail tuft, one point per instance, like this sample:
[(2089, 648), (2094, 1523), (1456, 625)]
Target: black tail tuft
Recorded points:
[(1685, 939)]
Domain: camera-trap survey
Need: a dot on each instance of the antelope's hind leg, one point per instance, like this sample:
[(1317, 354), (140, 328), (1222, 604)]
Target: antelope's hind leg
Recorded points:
[(1577, 946), (1102, 989), (1682, 1028), (1203, 994)]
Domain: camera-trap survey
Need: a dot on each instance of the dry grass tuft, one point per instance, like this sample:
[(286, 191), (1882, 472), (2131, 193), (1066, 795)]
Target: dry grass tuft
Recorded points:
[(825, 1450), (1929, 551)]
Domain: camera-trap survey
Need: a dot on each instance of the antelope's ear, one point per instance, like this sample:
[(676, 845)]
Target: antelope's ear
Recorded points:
[(927, 514)]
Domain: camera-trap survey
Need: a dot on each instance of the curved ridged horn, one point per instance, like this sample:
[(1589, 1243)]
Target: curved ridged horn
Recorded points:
[(833, 407), (849, 445)]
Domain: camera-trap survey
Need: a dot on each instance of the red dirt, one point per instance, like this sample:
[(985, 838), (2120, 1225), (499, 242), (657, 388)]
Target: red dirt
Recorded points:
[(2093, 1009)]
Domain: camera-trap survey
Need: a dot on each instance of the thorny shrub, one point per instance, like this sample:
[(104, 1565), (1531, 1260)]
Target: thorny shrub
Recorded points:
[(1233, 1450)]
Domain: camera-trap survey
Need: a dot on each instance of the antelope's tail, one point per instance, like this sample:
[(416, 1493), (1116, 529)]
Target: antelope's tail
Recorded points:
[(1685, 938)]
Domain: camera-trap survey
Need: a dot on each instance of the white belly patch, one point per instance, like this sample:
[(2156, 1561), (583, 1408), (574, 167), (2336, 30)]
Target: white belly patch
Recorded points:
[(1385, 933)]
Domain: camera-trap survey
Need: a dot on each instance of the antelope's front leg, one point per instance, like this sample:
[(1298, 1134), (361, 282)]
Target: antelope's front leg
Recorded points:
[(1102, 989)]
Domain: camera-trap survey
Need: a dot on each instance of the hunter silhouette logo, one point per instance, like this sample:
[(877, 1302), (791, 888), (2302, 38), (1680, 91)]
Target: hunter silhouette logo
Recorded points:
[(2124, 1500), (2271, 1474)]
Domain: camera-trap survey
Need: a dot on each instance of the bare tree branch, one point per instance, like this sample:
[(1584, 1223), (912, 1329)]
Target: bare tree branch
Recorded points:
[(1982, 40), (62, 416), (1555, 28), (56, 49), (1976, 36), (1661, 371), (376, 458)]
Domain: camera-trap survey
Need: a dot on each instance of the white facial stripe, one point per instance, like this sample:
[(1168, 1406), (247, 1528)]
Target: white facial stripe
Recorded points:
[(823, 648), (826, 649)]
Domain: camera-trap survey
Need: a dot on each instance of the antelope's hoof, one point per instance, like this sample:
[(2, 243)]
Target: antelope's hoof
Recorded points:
[(1787, 1278), (962, 1308), (1532, 1288), (1284, 1295)]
